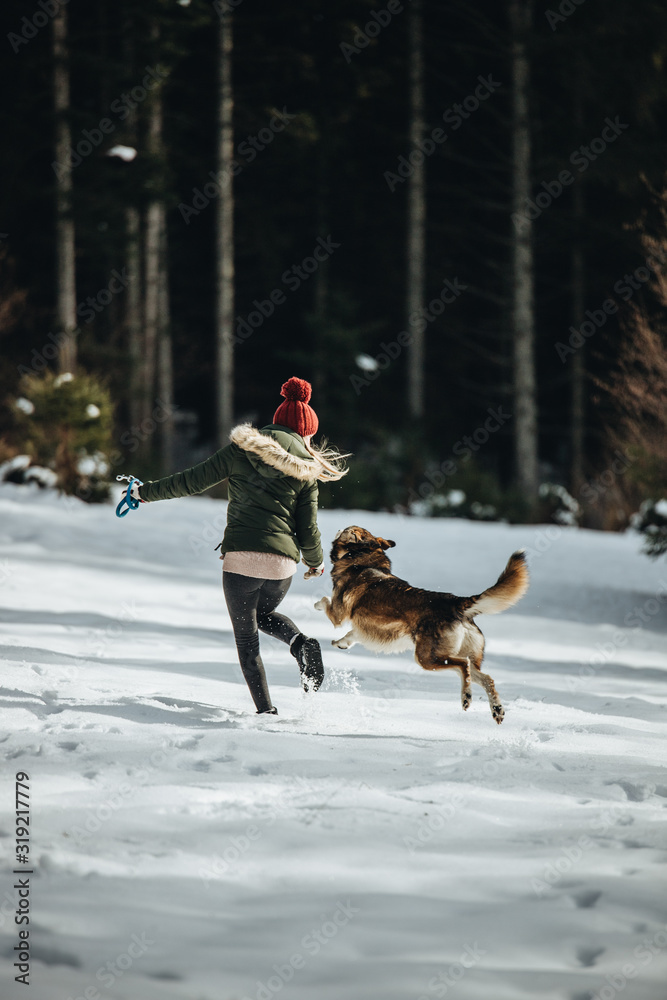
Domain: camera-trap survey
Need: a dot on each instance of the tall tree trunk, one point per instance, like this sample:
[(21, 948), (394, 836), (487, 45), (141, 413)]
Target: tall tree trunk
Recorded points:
[(578, 370), (132, 304), (321, 280), (165, 368), (225, 234), (65, 243), (152, 260), (416, 235), (523, 313), (157, 387), (132, 300)]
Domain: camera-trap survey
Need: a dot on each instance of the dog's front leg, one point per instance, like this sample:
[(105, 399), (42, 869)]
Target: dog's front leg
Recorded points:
[(324, 604), (332, 609), (346, 641)]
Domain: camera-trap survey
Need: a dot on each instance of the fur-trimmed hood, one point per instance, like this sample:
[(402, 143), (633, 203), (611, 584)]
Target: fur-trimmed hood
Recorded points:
[(270, 457)]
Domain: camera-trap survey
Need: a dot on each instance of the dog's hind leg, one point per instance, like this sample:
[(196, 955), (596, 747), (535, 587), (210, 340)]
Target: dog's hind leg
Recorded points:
[(497, 710), (466, 692), (429, 660)]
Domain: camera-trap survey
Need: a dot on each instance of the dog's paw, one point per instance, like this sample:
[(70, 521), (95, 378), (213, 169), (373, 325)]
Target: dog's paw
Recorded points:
[(343, 643), (321, 605), (498, 713), (466, 700)]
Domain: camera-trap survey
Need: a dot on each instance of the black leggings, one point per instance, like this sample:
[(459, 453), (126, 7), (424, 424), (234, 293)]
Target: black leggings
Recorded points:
[(251, 603)]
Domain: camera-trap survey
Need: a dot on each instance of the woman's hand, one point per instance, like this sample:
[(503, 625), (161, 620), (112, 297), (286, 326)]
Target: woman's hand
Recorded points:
[(313, 571)]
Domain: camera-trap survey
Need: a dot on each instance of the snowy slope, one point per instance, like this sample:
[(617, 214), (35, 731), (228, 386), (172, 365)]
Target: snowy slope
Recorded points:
[(372, 841)]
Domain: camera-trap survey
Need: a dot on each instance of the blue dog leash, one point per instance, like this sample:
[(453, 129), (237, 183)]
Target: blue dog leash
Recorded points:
[(128, 499)]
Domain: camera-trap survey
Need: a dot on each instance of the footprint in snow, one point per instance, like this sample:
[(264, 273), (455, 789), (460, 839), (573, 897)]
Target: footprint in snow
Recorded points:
[(68, 745), (187, 744), (52, 956), (588, 956), (586, 899), (24, 752), (635, 791)]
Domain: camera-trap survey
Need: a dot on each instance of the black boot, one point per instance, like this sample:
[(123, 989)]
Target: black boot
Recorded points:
[(308, 654), (268, 711)]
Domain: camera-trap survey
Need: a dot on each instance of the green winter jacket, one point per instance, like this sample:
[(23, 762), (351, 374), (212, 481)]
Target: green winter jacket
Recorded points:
[(272, 492)]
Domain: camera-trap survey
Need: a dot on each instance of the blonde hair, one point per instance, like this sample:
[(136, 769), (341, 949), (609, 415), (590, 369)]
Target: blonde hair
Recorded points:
[(330, 461)]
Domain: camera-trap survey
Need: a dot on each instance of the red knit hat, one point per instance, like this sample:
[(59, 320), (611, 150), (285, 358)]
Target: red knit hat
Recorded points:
[(295, 412)]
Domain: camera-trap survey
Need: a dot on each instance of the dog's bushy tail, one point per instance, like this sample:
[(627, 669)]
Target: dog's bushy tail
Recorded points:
[(509, 588)]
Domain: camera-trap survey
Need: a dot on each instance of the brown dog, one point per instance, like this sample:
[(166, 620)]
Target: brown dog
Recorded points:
[(388, 615)]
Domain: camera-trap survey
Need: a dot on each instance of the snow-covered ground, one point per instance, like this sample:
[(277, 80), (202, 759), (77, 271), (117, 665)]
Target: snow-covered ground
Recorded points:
[(372, 842)]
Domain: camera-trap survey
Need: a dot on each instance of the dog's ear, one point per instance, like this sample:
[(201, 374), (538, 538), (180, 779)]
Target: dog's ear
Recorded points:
[(386, 543)]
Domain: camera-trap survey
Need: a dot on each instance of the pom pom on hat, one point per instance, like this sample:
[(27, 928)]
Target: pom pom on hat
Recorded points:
[(295, 412), (297, 389)]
